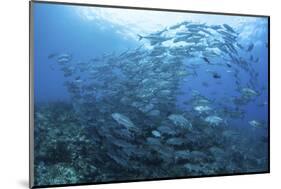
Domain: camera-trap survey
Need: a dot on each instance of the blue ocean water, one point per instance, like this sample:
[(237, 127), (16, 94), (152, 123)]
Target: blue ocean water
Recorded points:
[(70, 34), (227, 68)]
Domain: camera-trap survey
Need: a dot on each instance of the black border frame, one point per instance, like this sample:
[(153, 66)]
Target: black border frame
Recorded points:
[(31, 92)]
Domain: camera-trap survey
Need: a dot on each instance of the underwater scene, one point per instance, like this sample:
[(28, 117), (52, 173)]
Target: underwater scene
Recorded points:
[(126, 94)]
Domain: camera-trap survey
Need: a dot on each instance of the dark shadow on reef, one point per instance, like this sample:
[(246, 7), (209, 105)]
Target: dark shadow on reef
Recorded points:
[(66, 151)]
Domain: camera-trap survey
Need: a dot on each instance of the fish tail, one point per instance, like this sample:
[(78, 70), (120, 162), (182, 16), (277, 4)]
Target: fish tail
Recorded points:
[(140, 37), (195, 73), (225, 122)]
